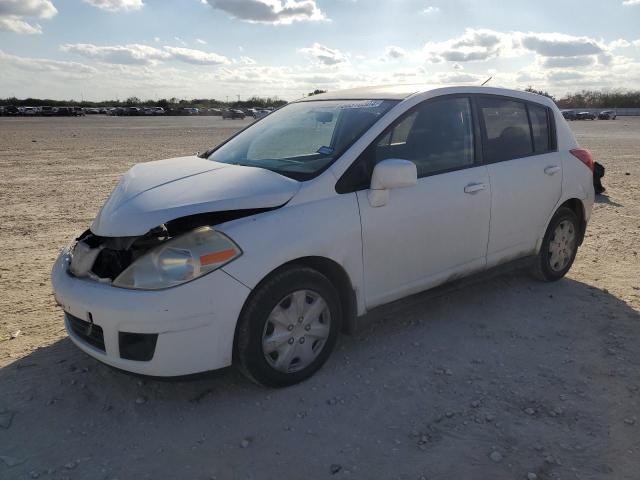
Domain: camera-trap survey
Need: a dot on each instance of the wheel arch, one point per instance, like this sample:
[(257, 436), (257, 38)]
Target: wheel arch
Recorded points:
[(577, 207), (336, 274)]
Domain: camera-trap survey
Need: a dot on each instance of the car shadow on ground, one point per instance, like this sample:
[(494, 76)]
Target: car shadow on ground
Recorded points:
[(501, 340), (605, 199)]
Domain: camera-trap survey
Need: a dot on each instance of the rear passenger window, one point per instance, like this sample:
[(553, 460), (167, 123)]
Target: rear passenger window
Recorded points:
[(540, 128), (507, 129), (437, 136)]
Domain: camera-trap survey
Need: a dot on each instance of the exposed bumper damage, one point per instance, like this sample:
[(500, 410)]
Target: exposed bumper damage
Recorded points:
[(184, 329), (170, 332)]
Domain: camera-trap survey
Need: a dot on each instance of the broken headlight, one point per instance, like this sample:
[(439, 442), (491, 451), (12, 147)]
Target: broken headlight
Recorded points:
[(179, 260)]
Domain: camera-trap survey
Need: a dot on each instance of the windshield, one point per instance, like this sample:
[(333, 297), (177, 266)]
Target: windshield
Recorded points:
[(302, 139)]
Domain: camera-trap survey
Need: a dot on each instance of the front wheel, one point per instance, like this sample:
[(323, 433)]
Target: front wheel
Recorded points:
[(559, 246), (288, 327)]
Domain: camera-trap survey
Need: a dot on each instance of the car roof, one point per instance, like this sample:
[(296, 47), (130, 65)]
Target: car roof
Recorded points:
[(401, 92)]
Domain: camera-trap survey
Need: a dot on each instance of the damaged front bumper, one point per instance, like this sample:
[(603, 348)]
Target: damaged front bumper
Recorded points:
[(191, 326)]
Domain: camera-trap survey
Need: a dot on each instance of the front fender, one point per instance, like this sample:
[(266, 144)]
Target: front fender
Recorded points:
[(326, 227)]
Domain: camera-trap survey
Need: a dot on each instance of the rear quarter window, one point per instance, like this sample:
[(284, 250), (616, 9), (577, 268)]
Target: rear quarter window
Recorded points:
[(540, 128)]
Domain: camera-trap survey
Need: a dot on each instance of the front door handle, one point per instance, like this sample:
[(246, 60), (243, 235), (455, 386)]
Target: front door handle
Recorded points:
[(474, 187), (552, 169)]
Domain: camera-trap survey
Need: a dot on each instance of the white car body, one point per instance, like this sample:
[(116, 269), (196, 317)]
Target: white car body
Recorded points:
[(469, 220)]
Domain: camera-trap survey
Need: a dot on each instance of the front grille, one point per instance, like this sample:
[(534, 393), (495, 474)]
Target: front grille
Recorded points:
[(88, 332)]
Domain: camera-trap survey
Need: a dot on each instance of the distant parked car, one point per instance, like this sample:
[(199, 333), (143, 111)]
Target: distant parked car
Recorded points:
[(233, 114), (607, 115), (11, 110), (49, 111), (65, 111), (260, 113), (569, 114), (30, 111), (585, 116), (91, 111)]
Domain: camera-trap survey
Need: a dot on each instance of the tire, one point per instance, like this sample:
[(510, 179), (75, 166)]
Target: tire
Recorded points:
[(556, 255), (270, 314)]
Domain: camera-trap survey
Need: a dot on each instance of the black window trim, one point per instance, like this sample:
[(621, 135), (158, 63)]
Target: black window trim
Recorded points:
[(553, 146), (343, 185)]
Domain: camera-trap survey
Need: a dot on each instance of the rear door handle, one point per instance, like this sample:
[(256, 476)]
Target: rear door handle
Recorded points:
[(552, 170), (474, 187)]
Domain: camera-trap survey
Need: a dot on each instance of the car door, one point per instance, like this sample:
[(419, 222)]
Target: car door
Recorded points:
[(438, 228), (525, 174)]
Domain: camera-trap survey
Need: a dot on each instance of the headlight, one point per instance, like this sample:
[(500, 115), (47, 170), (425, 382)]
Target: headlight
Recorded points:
[(179, 260)]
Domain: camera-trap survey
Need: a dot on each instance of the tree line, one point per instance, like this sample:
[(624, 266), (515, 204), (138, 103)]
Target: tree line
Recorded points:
[(166, 103), (595, 98), (581, 99)]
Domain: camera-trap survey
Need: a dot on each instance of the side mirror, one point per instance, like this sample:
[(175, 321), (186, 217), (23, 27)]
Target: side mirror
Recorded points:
[(389, 174)]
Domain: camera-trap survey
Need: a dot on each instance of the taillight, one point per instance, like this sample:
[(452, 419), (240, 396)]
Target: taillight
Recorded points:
[(584, 156)]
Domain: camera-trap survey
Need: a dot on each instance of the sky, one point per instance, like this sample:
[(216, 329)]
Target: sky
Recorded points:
[(229, 49)]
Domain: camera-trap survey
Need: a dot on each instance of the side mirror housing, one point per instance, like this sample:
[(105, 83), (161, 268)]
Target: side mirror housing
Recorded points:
[(389, 174)]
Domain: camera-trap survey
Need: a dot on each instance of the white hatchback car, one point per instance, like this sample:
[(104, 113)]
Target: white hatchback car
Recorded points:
[(261, 250)]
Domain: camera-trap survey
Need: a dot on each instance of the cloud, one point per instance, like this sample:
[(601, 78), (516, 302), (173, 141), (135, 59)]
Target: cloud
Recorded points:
[(15, 25), (456, 78), (133, 54), (619, 43), (136, 54), (116, 5), (394, 52), (483, 44), (196, 57), (565, 75), (60, 68), (325, 55), (429, 10), (559, 45), (247, 60), (200, 41), (629, 3), (27, 8), (270, 11), (13, 12), (472, 45), (568, 62)]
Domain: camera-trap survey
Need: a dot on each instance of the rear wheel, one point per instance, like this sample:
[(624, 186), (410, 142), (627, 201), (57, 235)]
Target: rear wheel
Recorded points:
[(288, 327), (559, 246)]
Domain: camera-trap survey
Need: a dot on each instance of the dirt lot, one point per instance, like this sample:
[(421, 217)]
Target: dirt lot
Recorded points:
[(498, 381)]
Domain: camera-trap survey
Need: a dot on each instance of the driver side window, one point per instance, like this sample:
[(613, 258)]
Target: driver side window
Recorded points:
[(437, 137)]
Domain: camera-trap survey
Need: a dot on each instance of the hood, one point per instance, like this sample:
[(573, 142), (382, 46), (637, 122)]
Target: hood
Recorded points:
[(153, 193)]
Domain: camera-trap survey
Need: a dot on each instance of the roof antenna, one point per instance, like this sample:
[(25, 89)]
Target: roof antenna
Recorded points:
[(486, 81)]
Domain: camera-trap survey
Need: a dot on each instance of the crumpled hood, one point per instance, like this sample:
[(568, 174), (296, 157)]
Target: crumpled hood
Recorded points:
[(153, 193)]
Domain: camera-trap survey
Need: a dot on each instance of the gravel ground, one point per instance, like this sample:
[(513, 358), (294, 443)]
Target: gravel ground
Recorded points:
[(506, 378)]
